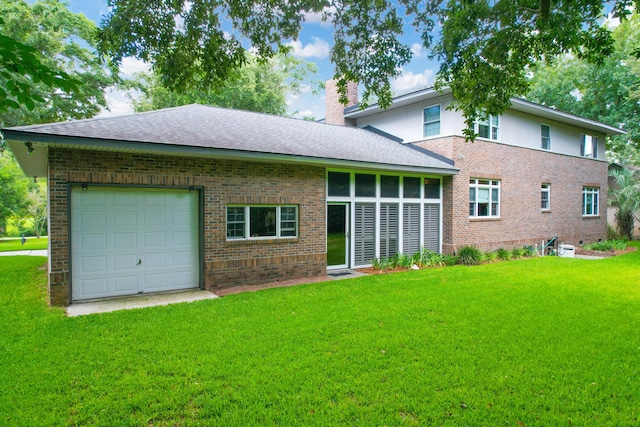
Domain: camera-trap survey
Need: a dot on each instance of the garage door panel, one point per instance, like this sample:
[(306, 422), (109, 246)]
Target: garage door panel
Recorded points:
[(132, 240), (95, 288), (93, 241), (155, 282), (125, 262), (93, 264), (125, 240), (125, 284), (153, 260), (125, 198), (128, 218), (154, 218), (93, 219), (155, 239)]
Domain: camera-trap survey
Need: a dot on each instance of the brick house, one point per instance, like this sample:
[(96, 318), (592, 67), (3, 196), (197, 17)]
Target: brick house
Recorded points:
[(206, 197)]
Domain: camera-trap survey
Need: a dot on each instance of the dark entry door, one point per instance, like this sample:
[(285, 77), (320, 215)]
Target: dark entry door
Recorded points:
[(337, 235)]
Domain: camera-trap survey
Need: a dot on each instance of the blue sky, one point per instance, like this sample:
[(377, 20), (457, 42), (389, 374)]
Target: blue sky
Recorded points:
[(313, 45)]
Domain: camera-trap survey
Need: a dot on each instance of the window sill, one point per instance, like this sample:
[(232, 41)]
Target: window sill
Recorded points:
[(545, 211), (590, 216), (263, 241), (482, 219)]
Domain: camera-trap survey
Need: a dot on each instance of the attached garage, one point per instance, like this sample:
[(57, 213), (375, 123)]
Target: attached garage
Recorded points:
[(131, 241)]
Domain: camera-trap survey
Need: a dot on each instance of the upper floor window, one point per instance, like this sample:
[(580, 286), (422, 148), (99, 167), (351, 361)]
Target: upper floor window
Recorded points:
[(589, 146), (590, 196), (487, 126), (545, 137), (545, 199), (484, 198), (431, 120), (261, 222)]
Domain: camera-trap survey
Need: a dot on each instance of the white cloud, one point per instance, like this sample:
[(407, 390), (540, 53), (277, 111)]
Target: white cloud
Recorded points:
[(316, 17), (131, 65), (318, 49), (409, 80), (119, 102), (418, 51), (303, 114), (576, 94)]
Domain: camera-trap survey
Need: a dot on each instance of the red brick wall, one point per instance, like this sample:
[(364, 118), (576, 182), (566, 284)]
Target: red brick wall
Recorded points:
[(334, 114), (521, 172), (223, 182)]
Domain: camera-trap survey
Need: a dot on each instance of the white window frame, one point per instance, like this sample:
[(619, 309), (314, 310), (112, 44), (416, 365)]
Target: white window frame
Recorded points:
[(545, 139), (278, 222), (591, 209), (588, 146), (475, 184), (425, 123), (545, 188), (488, 120)]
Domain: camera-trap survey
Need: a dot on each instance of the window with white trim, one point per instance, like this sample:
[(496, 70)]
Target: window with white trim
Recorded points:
[(545, 137), (484, 198), (255, 222), (431, 120), (487, 126), (588, 146), (590, 201), (545, 197)]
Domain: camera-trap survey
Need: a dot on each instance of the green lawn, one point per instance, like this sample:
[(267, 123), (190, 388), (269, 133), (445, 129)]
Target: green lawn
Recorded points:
[(16, 244), (545, 342)]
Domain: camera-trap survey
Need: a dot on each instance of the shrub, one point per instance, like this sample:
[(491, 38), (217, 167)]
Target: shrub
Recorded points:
[(449, 259), (469, 255), (401, 260), (489, 256), (517, 253), (429, 258), (607, 245), (503, 254), (529, 251)]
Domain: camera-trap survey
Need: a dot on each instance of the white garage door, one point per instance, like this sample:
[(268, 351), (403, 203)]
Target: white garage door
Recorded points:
[(129, 241)]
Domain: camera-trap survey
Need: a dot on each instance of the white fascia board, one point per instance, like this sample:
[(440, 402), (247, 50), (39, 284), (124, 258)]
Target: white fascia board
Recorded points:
[(41, 143), (397, 102), (560, 116)]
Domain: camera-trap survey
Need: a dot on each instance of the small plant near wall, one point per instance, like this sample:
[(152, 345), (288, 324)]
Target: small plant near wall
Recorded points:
[(503, 254), (469, 255), (607, 245), (517, 253)]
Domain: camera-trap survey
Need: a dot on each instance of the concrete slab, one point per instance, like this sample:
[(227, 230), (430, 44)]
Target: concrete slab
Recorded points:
[(137, 301), (39, 252)]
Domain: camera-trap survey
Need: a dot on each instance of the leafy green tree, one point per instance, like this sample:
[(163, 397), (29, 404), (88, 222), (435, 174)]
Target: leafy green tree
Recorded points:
[(49, 69), (260, 86), (484, 46), (14, 187), (624, 195), (609, 92)]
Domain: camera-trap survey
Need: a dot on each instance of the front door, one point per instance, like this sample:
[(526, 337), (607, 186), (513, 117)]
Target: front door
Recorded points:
[(337, 235)]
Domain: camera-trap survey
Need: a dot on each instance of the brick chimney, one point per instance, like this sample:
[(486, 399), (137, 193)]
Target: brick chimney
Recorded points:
[(334, 114)]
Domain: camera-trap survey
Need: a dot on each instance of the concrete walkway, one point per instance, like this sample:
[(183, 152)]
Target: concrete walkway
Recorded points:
[(37, 252), (137, 301)]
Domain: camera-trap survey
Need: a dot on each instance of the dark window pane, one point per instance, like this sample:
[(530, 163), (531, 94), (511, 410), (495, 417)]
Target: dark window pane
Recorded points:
[(389, 186), (411, 188), (339, 183), (263, 221), (365, 185), (431, 188)]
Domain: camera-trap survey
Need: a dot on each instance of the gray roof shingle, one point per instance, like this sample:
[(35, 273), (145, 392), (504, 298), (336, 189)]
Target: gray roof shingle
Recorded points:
[(240, 131)]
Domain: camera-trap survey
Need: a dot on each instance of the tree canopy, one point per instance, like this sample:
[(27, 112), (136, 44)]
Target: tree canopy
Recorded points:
[(484, 46), (609, 92), (49, 69), (260, 86)]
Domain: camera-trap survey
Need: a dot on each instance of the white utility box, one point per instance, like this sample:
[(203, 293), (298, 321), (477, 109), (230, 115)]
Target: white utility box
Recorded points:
[(567, 251)]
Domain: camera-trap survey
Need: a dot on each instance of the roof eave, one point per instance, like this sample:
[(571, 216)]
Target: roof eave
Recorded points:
[(41, 143)]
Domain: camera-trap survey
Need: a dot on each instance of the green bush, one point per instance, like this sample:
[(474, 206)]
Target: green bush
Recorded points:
[(449, 260), (429, 258), (490, 256), (607, 245), (470, 255), (503, 254), (529, 251), (517, 253)]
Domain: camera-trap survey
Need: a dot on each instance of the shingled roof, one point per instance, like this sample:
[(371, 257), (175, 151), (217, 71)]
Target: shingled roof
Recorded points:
[(198, 130)]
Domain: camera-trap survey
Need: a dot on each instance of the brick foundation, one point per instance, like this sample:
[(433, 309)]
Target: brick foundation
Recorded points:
[(223, 182)]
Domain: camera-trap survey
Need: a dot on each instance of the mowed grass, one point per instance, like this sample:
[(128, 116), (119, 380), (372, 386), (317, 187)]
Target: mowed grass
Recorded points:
[(30, 244), (545, 341)]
